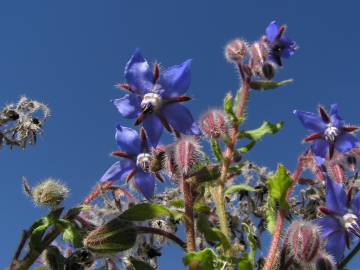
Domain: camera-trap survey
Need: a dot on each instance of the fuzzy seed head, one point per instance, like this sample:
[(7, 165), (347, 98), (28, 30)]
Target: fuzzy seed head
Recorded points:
[(213, 124), (304, 241), (236, 51), (49, 193), (187, 154)]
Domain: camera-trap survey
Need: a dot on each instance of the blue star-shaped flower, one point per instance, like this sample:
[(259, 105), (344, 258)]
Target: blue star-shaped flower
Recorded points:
[(154, 98), (330, 133), (341, 222), (280, 45), (135, 164)]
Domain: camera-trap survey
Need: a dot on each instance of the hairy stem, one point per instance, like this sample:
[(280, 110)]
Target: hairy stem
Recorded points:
[(189, 217), (349, 257), (280, 220), (177, 240)]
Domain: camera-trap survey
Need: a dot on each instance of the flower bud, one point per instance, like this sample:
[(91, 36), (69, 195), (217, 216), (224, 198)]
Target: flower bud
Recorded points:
[(49, 193), (259, 52), (325, 262), (268, 70), (236, 51), (336, 171), (213, 124), (304, 241), (115, 236), (54, 259), (187, 154), (351, 162)]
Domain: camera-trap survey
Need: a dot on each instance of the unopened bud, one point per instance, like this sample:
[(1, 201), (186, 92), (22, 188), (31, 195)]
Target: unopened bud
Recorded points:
[(115, 236), (236, 51), (49, 193), (54, 260), (325, 262), (304, 241), (187, 153), (213, 124), (259, 52), (352, 163), (336, 172), (268, 70)]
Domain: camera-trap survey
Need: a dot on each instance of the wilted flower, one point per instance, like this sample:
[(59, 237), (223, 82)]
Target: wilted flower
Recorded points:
[(49, 193), (280, 45), (154, 98), (135, 163), (330, 133), (341, 222)]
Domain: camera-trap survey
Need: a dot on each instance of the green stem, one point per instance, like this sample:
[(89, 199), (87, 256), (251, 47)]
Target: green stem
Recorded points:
[(218, 196), (189, 217), (349, 257)]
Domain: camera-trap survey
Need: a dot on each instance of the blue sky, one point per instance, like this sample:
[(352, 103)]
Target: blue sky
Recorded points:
[(69, 54)]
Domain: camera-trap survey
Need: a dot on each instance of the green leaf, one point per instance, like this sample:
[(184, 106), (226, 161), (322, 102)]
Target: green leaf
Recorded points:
[(177, 203), (72, 235), (205, 259), (250, 234), (216, 150), (237, 188), (271, 215), (201, 207), (244, 264), (279, 184), (140, 265), (212, 234), (268, 85), (206, 174), (145, 211), (228, 108), (259, 133)]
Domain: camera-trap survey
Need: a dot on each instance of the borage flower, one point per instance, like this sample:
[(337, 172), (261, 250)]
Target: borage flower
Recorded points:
[(330, 133), (280, 45), (154, 98), (136, 162), (341, 221)]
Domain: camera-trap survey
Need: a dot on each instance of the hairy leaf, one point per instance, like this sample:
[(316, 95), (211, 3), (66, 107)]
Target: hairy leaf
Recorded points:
[(268, 85), (145, 211)]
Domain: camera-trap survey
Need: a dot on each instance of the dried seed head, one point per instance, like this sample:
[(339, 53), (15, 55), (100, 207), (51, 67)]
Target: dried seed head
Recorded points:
[(213, 124), (115, 236), (325, 262), (187, 154), (236, 51), (49, 193), (304, 241)]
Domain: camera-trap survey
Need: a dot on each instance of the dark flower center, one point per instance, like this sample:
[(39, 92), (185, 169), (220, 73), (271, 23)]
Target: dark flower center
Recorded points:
[(331, 132), (151, 102), (143, 161)]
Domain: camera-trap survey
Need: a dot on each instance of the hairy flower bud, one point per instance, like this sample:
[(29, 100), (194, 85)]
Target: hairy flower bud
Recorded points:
[(213, 124), (325, 262), (304, 241), (336, 171), (259, 52), (187, 154), (115, 236), (236, 51), (49, 193), (268, 70)]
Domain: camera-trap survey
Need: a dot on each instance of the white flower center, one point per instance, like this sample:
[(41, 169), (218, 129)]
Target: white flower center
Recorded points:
[(151, 102), (350, 223), (143, 161), (331, 133)]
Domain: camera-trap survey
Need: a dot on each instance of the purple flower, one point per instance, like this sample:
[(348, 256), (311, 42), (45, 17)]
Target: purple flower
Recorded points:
[(330, 133), (154, 98), (136, 162), (280, 45), (340, 223)]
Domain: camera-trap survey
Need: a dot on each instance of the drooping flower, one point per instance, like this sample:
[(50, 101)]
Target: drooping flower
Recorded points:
[(329, 133), (135, 163), (154, 98), (341, 221), (280, 45)]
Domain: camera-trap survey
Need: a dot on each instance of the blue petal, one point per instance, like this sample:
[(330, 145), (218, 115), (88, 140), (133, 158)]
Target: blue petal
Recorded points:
[(319, 148), (176, 80), (335, 118), (138, 73), (336, 199), (128, 140), (180, 119), (311, 121), (271, 31), (346, 142), (327, 225), (128, 106), (355, 204), (145, 183), (153, 128), (335, 244), (118, 171)]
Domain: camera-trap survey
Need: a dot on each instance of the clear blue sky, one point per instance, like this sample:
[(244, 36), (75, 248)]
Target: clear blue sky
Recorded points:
[(69, 54)]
